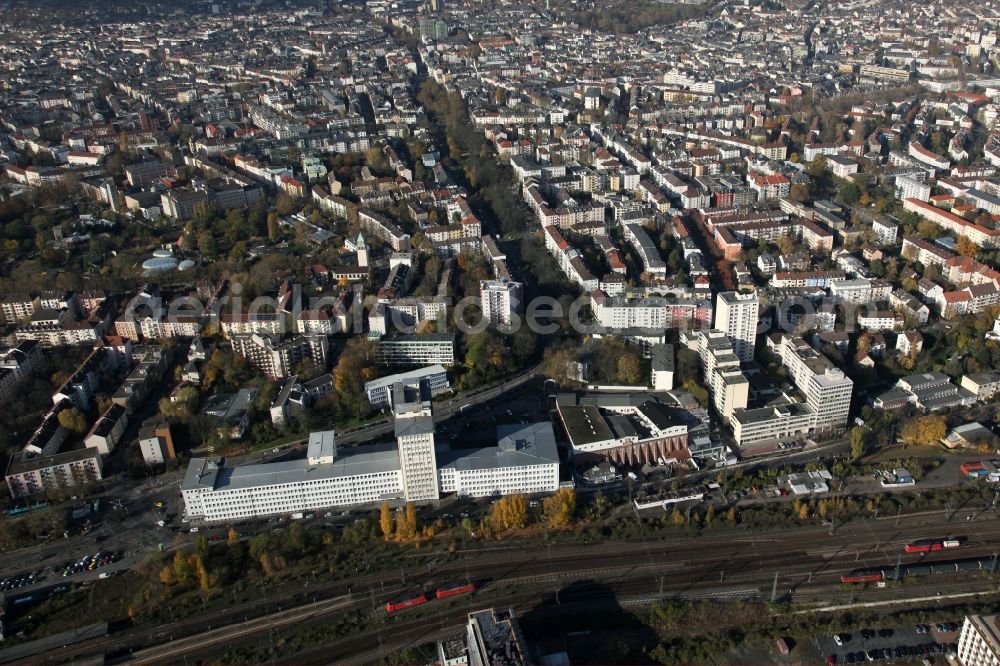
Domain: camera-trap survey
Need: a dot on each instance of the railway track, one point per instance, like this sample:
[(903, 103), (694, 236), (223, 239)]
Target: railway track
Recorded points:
[(804, 558)]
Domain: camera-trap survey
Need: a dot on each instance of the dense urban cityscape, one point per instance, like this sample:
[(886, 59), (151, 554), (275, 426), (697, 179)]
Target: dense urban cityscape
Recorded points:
[(467, 332)]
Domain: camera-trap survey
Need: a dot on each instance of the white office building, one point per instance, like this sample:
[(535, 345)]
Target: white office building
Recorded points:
[(525, 460), (414, 426), (214, 491), (379, 391), (736, 314), (979, 642)]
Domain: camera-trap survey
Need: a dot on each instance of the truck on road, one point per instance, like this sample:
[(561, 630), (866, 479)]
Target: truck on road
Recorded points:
[(298, 515)]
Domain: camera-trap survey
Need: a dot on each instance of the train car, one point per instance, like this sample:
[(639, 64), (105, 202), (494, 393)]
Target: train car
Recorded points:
[(406, 602), (924, 546), (454, 590), (862, 576)]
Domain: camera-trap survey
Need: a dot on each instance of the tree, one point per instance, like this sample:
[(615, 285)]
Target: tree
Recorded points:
[(273, 229), (924, 430), (233, 536), (285, 205), (799, 192), (204, 582), (966, 247), (857, 442), (73, 420), (182, 568), (817, 167), (411, 517), (629, 369), (510, 512), (785, 243), (559, 508), (850, 193), (385, 520)]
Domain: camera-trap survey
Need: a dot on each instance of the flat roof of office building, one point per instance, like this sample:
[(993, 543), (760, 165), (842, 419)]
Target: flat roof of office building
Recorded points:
[(206, 473)]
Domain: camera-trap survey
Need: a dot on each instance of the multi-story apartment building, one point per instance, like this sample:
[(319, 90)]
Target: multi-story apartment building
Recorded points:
[(403, 350), (860, 291), (276, 358), (156, 442), (736, 314), (786, 422), (619, 313), (108, 430), (268, 323), (16, 364), (826, 388), (17, 307), (32, 475), (729, 388), (500, 300), (381, 227)]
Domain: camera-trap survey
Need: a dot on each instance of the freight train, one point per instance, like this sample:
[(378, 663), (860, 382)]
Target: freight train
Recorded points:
[(945, 567), (418, 597)]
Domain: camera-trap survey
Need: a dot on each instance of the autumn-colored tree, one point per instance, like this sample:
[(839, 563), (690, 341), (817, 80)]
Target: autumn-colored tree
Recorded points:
[(233, 536), (509, 513), (857, 442), (924, 430), (73, 420), (965, 247), (802, 509), (182, 568), (629, 369), (385, 520), (559, 508), (204, 582), (406, 522), (266, 565), (785, 243), (411, 517), (166, 575)]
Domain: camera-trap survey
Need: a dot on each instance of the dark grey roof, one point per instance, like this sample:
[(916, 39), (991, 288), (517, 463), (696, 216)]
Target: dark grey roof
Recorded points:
[(517, 446)]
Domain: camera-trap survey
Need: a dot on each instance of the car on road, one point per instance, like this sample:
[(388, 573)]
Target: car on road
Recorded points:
[(159, 504), (840, 639)]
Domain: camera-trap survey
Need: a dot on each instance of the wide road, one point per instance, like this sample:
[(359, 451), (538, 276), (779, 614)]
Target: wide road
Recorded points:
[(725, 564)]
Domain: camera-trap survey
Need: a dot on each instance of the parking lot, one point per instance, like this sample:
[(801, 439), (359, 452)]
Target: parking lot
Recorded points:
[(909, 644)]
